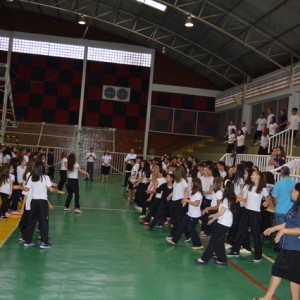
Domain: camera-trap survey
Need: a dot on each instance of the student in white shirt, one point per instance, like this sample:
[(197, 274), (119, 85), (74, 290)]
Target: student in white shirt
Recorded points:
[(240, 138), (272, 129), (244, 128), (264, 142), (38, 184), (207, 187), (253, 196), (6, 186), (261, 123), (72, 184), (27, 199), (294, 121), (129, 157), (133, 178), (230, 127), (17, 193), (105, 165), (230, 142), (63, 170), (180, 193), (270, 116), (191, 218), (223, 222), (90, 158)]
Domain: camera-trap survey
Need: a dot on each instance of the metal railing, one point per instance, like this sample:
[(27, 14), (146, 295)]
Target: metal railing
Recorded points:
[(282, 139), (262, 162), (117, 163)]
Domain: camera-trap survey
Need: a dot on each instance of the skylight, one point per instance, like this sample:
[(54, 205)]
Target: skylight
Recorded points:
[(154, 4)]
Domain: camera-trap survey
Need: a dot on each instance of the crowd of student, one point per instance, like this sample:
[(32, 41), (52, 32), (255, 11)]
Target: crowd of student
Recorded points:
[(226, 201), (265, 127), (23, 175)]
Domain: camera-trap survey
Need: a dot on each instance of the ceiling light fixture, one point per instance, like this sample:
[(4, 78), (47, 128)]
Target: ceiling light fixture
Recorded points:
[(153, 4), (163, 50), (81, 20), (189, 21)]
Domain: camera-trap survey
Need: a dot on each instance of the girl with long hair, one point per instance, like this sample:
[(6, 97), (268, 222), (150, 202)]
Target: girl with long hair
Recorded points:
[(63, 170), (223, 218), (27, 199), (180, 193), (191, 218), (38, 184), (253, 196), (287, 263), (6, 186), (72, 183)]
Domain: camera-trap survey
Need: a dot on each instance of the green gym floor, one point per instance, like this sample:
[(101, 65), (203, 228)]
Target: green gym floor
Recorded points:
[(105, 253)]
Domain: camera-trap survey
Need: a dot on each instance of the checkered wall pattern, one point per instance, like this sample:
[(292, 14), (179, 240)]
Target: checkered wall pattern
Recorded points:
[(47, 89), (186, 121)]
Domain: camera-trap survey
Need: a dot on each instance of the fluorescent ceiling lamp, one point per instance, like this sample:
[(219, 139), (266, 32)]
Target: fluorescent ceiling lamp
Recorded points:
[(154, 4)]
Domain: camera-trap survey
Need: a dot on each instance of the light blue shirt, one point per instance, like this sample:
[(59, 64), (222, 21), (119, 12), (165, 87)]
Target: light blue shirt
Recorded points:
[(282, 191)]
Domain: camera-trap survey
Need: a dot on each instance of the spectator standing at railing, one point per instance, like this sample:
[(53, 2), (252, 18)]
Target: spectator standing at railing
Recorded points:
[(230, 127), (294, 122), (90, 157), (270, 116), (264, 142), (230, 142), (244, 128), (261, 123), (272, 130), (282, 120), (240, 139)]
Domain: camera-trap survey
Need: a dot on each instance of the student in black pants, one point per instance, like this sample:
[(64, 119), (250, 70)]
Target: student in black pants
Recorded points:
[(63, 171), (72, 183), (164, 191), (223, 222), (180, 192), (191, 219), (39, 209)]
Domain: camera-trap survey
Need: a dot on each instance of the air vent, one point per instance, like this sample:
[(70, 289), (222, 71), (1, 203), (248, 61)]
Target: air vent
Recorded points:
[(116, 93)]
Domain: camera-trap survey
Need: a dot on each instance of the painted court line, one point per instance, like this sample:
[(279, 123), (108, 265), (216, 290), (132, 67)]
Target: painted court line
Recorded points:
[(7, 227), (247, 274)]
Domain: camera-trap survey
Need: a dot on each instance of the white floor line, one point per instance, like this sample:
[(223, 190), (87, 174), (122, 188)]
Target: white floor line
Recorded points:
[(100, 208), (266, 257)]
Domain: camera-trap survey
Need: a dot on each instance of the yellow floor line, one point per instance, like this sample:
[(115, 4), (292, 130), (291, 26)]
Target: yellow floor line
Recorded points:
[(7, 227)]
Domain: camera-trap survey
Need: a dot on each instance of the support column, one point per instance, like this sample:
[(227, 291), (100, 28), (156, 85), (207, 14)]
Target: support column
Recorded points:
[(246, 116), (147, 126), (6, 90), (81, 100)]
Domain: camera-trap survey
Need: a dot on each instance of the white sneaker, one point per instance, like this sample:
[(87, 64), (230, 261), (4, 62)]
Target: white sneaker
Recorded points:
[(14, 212), (141, 216), (257, 260), (245, 251), (78, 210), (67, 209), (227, 246)]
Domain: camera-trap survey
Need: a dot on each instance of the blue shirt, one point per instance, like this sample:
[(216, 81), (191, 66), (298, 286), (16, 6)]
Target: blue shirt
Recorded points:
[(292, 242), (282, 191)]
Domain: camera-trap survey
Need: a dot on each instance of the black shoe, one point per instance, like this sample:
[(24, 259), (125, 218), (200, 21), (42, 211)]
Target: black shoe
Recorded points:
[(233, 254), (221, 263)]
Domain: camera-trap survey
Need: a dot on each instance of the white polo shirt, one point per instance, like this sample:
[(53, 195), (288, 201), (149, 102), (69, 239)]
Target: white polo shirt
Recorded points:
[(194, 211), (39, 188), (254, 199), (261, 123), (74, 173), (178, 190), (227, 218)]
